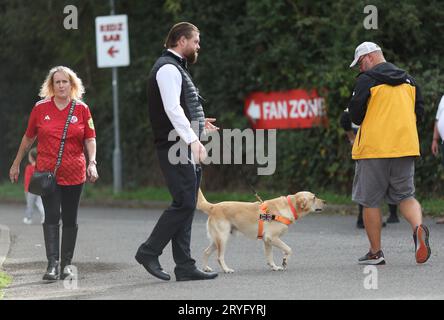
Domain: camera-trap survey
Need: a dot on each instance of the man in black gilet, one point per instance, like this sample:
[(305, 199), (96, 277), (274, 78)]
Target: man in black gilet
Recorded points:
[(174, 104)]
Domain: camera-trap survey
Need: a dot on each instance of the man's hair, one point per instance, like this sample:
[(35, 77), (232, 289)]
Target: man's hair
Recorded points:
[(378, 53), (177, 31)]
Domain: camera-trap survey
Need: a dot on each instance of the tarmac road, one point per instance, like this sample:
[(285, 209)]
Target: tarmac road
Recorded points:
[(323, 265)]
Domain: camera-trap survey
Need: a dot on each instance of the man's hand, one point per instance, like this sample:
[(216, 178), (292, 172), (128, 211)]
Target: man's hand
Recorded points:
[(199, 151), (435, 147), (209, 126)]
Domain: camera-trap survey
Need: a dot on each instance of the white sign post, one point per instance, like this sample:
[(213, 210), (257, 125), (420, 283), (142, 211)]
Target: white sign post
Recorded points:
[(113, 52)]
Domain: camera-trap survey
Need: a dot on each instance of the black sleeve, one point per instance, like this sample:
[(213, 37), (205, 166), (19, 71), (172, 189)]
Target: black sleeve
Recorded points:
[(359, 99), (419, 104), (345, 121), (419, 101)]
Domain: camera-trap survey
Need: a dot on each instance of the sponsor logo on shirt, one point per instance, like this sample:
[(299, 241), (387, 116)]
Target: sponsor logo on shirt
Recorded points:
[(47, 117), (74, 119)]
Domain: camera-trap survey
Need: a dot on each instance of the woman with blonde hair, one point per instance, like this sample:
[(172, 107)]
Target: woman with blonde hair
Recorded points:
[(60, 110)]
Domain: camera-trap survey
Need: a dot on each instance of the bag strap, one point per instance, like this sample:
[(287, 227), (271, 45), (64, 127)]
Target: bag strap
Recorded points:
[(65, 131)]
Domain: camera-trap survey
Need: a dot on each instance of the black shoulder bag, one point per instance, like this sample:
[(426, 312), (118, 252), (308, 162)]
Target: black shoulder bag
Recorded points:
[(44, 182)]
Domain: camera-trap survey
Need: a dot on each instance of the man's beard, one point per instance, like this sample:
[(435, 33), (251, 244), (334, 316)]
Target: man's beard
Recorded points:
[(191, 57)]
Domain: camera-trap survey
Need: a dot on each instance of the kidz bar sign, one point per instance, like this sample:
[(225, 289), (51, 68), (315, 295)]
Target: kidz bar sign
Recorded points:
[(112, 41), (285, 110)]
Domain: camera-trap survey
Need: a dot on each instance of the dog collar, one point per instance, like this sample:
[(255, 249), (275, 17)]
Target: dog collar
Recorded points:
[(292, 208)]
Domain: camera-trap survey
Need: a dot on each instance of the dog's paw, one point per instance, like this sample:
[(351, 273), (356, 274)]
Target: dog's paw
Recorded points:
[(228, 270), (277, 268), (284, 264), (207, 269)]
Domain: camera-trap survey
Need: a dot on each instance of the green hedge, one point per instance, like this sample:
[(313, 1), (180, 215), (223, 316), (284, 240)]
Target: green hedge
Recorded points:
[(252, 45)]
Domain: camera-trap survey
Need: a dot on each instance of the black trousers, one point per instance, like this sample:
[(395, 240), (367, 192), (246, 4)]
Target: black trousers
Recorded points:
[(63, 203), (174, 224)]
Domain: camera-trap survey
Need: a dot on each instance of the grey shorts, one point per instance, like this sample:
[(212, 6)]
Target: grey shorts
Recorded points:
[(378, 179)]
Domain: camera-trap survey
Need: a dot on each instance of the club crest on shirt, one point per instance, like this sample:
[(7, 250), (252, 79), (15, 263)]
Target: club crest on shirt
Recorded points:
[(74, 119), (47, 118), (91, 123)]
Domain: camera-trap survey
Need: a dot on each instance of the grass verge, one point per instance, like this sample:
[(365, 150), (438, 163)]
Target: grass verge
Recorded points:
[(162, 194), (5, 280), (99, 193)]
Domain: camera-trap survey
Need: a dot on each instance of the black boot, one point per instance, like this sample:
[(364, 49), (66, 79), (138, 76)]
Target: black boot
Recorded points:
[(51, 233), (69, 236), (360, 221)]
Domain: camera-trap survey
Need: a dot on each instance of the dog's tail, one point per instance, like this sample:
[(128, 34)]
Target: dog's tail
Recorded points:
[(203, 204)]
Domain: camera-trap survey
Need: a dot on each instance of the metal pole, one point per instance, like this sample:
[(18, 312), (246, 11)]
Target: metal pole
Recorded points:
[(117, 158), (111, 2)]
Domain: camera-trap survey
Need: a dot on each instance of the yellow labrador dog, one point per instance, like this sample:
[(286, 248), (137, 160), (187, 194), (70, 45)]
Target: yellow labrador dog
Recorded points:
[(267, 221)]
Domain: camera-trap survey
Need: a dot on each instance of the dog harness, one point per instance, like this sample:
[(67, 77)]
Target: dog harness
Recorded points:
[(266, 216)]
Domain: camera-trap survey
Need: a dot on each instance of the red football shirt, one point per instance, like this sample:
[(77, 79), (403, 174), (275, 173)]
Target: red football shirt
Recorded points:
[(47, 122)]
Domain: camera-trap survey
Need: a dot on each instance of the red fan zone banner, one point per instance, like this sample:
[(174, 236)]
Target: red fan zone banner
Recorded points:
[(286, 110)]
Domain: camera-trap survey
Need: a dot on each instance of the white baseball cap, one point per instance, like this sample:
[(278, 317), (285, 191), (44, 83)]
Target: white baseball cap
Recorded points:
[(363, 49)]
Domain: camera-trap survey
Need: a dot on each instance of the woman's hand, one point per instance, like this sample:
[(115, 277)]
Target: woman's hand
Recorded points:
[(14, 172), (91, 172), (25, 145)]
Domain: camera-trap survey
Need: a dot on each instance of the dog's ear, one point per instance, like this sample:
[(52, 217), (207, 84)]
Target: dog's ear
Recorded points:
[(302, 202)]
